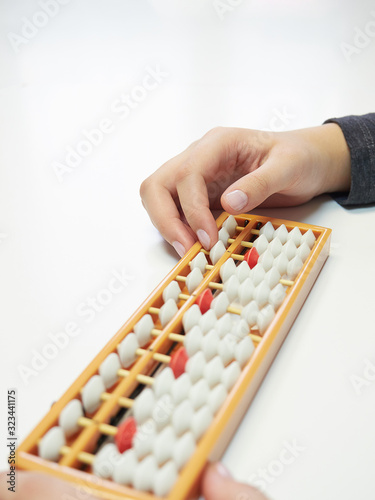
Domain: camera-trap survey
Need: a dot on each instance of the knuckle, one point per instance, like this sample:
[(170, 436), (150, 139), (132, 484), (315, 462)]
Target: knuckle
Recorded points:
[(192, 212), (262, 185), (215, 132), (183, 172), (145, 187)]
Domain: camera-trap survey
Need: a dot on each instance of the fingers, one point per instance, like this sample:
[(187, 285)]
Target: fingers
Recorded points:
[(196, 179), (165, 216), (256, 187), (193, 196), (182, 182), (34, 486), (217, 484)]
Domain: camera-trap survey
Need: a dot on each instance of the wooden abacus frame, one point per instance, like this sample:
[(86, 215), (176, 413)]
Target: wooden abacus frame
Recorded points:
[(213, 443)]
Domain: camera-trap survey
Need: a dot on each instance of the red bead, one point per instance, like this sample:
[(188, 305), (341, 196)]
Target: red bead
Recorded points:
[(178, 361), (204, 300), (125, 434), (251, 257)]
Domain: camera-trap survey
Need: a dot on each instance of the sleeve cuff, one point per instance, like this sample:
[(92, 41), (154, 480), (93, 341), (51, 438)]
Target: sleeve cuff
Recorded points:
[(359, 133)]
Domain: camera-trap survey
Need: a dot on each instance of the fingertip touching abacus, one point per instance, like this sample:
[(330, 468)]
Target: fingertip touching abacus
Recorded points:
[(166, 394)]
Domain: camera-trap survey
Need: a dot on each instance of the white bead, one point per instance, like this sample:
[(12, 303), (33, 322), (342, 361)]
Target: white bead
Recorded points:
[(195, 366), (250, 313), (227, 269), (181, 417), (272, 277), (201, 421), (145, 473), (106, 460), (191, 317), (124, 470), (183, 449), (275, 247), (308, 238), (257, 274), (109, 368), (144, 438), (303, 251), (91, 393), (246, 291), (69, 417), (171, 291), (231, 287), (240, 329), (167, 311), (226, 349), (199, 262), (164, 444), (210, 344), (194, 279), (163, 382), (50, 445), (207, 321), (165, 478), (243, 271), (223, 325), (265, 317), (290, 249), (143, 405), (143, 329), (266, 259), (277, 295), (230, 375), (220, 304), (217, 251), (163, 410), (213, 370), (281, 263), (244, 350), (295, 235), (261, 293), (261, 244), (193, 341), (224, 236), (216, 398), (294, 267), (281, 233), (199, 393), (230, 225), (127, 350), (268, 231), (180, 388)]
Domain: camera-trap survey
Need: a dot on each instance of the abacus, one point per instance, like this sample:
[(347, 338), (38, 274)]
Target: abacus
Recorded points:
[(166, 394)]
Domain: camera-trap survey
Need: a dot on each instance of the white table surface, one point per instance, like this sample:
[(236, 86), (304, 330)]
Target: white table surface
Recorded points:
[(61, 241)]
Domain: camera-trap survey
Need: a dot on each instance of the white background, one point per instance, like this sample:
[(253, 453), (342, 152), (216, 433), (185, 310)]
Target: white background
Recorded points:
[(61, 241)]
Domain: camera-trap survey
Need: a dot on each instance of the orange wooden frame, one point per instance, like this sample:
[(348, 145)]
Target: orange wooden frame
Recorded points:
[(214, 441)]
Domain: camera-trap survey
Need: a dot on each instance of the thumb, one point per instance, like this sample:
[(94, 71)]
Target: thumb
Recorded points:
[(217, 484), (254, 188)]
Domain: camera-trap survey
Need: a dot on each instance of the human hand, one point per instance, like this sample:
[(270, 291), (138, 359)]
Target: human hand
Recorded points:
[(237, 170), (36, 486), (216, 485)]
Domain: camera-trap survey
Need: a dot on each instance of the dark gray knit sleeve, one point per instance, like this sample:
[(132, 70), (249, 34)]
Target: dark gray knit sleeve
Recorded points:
[(359, 132)]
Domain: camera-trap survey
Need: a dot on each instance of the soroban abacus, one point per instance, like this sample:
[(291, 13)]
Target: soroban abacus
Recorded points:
[(167, 392)]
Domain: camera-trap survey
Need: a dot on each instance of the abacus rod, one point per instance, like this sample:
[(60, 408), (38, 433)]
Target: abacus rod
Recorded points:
[(82, 456)]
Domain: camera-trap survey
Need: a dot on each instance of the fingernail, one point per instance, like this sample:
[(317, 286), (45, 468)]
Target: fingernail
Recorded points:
[(179, 248), (204, 238), (237, 199), (222, 470)]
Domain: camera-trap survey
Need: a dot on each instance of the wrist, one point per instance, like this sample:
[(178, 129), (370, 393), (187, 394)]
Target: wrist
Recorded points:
[(336, 159)]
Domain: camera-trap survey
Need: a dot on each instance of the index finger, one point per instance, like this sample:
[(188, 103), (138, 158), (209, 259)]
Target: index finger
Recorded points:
[(164, 214)]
